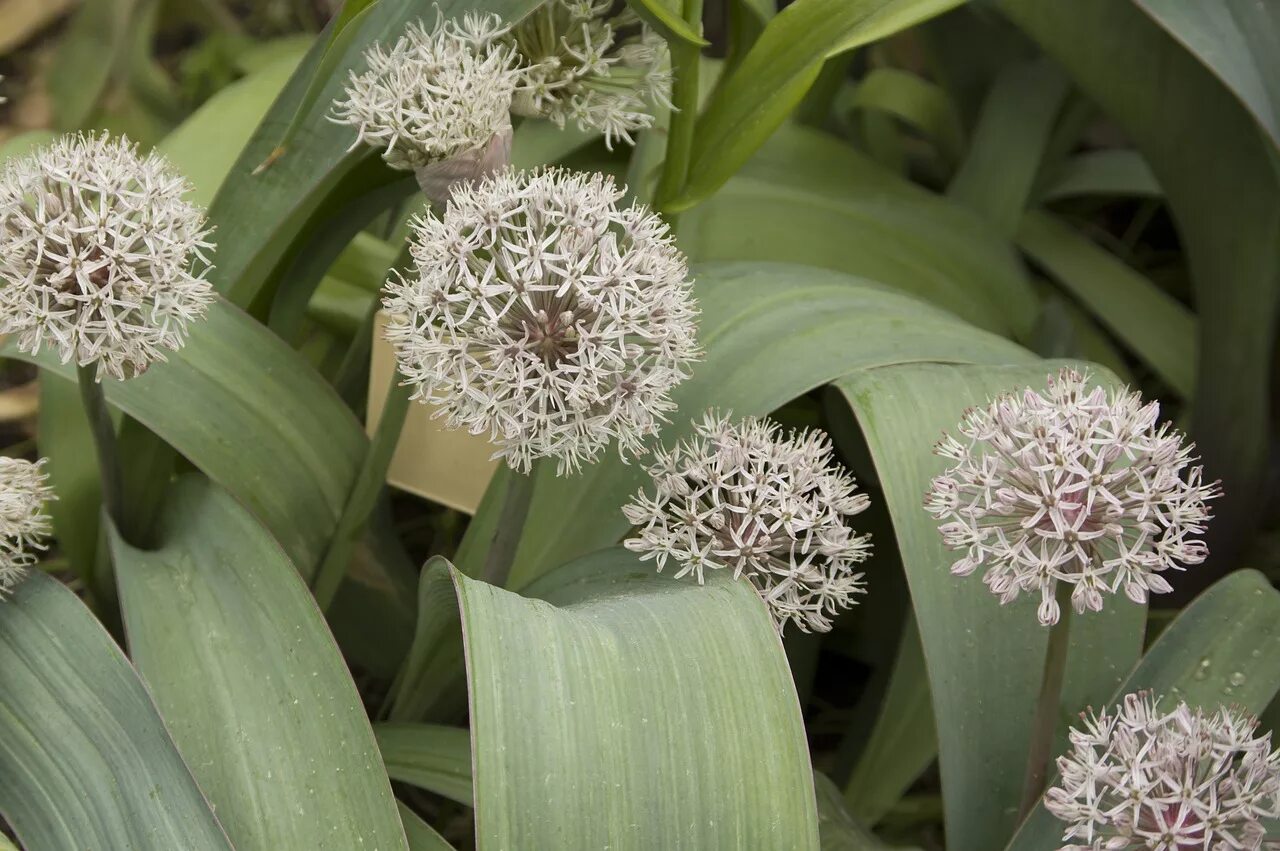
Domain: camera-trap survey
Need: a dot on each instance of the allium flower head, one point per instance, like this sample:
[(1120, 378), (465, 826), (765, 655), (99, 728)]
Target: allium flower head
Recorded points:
[(100, 256), (592, 62), (542, 315), (768, 506), (439, 101), (23, 525), (1077, 486), (1141, 778)]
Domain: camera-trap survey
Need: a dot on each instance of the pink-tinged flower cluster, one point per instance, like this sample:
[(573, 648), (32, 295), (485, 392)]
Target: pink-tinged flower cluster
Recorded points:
[(1139, 778), (1073, 485), (770, 507)]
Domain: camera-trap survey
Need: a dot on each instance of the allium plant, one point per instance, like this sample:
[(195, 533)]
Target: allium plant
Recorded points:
[(594, 63), (540, 314), (101, 258), (1075, 485), (1139, 777), (23, 523), (771, 507), (438, 102)]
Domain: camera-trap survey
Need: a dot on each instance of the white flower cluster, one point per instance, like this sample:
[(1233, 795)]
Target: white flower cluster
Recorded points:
[(100, 256), (23, 525), (437, 96), (1139, 778), (769, 507), (594, 63), (542, 315), (1075, 486)]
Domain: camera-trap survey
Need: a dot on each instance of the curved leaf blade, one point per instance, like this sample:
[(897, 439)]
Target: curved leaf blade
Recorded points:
[(85, 760), (251, 682), (667, 21), (1238, 41), (663, 709), (429, 756)]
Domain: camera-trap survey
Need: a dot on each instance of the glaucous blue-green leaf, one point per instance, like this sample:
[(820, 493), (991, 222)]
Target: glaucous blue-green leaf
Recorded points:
[(1238, 40), (430, 756), (85, 759), (250, 682), (662, 709)]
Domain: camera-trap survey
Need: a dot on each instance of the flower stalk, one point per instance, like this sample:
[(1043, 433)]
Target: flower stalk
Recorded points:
[(364, 494), (506, 537), (1046, 715)]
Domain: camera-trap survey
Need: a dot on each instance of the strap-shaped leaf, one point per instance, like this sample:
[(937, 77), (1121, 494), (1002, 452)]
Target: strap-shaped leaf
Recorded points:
[(984, 661), (85, 761), (1239, 41), (806, 198), (429, 756), (251, 683)]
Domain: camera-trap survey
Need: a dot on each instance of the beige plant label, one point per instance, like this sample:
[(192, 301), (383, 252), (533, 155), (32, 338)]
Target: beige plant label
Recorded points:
[(444, 465)]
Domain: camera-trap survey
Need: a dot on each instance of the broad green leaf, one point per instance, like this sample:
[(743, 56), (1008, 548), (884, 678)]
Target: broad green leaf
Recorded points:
[(232, 380), (1220, 650), (429, 756), (1148, 320), (665, 18), (984, 661), (251, 683), (1238, 40), (64, 438), (1223, 189), (904, 740), (771, 332), (260, 217), (1017, 118), (806, 198), (922, 104), (85, 760), (1118, 171), (205, 146), (662, 709), (776, 73), (422, 836)]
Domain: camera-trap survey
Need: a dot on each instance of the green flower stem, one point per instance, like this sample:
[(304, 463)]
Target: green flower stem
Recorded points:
[(506, 537), (685, 59), (100, 582), (364, 494), (1045, 719)]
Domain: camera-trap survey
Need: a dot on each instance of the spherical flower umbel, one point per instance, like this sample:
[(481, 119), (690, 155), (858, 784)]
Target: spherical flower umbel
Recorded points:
[(1141, 778), (101, 259), (594, 63), (542, 315), (23, 523), (1076, 486), (439, 101), (771, 507)]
